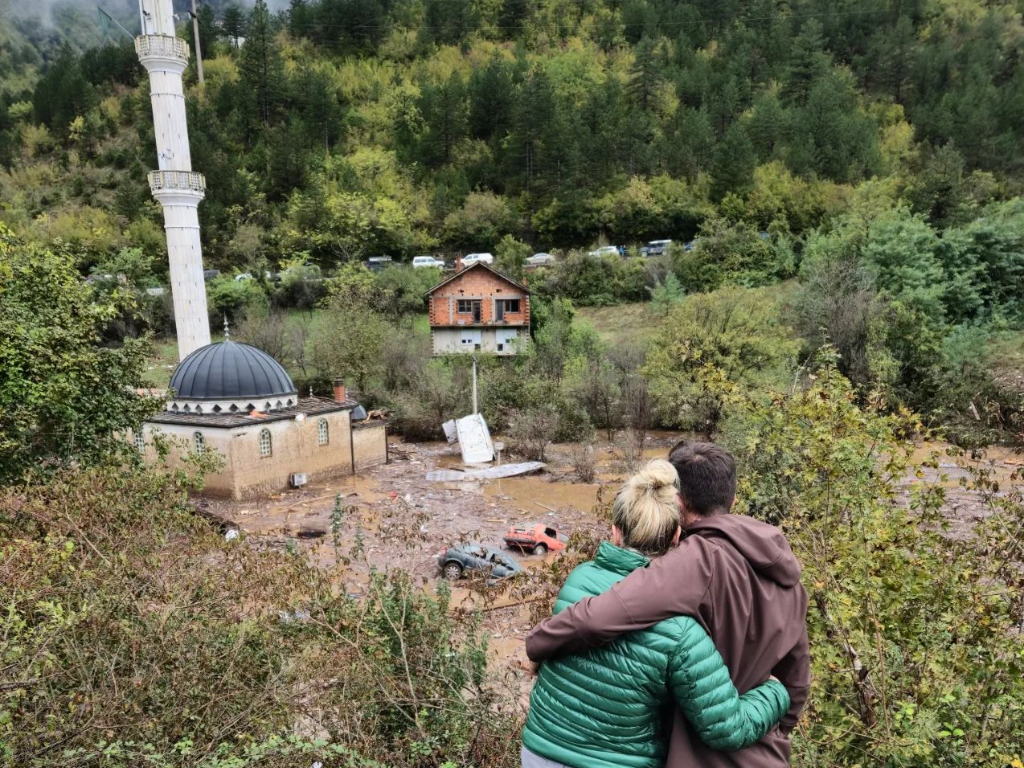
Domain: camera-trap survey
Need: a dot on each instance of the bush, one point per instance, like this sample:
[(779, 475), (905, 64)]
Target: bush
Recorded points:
[(132, 633), (917, 658), (734, 335)]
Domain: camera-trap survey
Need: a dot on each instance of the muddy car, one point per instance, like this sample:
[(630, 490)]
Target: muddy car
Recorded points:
[(538, 539), (471, 559)]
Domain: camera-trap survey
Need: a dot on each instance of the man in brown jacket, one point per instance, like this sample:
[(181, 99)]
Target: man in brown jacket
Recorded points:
[(735, 574)]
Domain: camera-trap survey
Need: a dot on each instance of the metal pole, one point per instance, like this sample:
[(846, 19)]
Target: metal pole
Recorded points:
[(475, 411), (195, 34)]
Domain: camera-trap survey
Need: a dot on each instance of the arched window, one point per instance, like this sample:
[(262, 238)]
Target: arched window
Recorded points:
[(140, 441), (198, 442), (322, 435), (266, 445)]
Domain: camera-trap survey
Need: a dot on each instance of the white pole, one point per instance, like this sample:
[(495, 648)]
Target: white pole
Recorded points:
[(475, 411)]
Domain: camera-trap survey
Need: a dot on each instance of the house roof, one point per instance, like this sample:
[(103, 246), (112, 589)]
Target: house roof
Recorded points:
[(479, 265)]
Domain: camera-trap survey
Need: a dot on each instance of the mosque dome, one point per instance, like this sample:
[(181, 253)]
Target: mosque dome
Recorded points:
[(229, 376)]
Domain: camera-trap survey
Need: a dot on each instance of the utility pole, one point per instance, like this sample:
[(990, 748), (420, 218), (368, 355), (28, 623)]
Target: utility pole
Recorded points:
[(475, 410), (195, 35)]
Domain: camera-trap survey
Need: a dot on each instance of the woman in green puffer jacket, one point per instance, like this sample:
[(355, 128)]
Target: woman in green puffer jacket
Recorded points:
[(606, 708)]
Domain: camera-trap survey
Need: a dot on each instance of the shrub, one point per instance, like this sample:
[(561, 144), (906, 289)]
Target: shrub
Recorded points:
[(917, 658)]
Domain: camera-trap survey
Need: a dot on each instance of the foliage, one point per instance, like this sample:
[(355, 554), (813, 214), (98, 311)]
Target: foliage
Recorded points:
[(63, 397), (734, 335), (211, 658), (349, 342), (896, 671)]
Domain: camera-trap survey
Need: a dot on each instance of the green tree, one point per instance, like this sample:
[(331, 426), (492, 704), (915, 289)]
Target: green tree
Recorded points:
[(233, 23), (645, 74), (64, 399), (350, 343), (734, 162), (732, 335), (261, 68)]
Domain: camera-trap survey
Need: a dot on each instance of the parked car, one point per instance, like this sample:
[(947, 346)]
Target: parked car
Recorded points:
[(538, 539), (540, 259), (421, 262), (474, 258), (655, 248), (690, 245), (378, 263), (456, 561), (606, 250)]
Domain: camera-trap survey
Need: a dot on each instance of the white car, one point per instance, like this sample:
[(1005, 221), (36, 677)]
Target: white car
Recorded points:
[(605, 250), (421, 262), (477, 258), (540, 259)]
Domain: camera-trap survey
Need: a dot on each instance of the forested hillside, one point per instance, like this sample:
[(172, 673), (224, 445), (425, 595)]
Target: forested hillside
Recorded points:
[(344, 128)]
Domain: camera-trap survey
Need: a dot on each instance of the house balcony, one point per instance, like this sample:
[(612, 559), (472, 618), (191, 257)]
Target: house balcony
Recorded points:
[(186, 182), (521, 322)]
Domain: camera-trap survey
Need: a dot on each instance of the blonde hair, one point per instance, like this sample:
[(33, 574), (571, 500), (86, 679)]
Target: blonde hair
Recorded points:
[(645, 509)]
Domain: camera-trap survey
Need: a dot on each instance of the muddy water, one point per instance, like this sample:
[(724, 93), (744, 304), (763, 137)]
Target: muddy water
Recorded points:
[(395, 519)]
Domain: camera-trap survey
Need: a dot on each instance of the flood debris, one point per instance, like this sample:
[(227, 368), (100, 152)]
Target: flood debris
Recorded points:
[(490, 473), (473, 437)]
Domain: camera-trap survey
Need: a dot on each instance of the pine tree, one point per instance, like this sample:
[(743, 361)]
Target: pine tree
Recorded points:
[(233, 23), (300, 18), (445, 110), (808, 62), (644, 75), (734, 163), (262, 72)]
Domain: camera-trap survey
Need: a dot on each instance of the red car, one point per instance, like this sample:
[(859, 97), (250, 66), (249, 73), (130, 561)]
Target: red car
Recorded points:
[(538, 539)]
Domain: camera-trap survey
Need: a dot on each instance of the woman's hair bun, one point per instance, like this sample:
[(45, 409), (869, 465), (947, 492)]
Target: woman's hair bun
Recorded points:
[(654, 476)]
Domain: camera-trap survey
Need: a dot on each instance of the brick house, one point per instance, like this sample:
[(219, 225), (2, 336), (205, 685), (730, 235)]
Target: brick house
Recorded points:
[(479, 309)]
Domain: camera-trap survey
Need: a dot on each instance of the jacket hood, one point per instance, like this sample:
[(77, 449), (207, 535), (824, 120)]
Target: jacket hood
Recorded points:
[(760, 544)]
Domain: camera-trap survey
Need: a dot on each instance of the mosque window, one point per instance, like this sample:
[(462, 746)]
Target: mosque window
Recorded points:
[(140, 441), (322, 435), (266, 445), (199, 442)]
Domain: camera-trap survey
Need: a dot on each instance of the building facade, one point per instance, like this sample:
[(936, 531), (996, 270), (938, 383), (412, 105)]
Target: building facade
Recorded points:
[(238, 401), (479, 310)]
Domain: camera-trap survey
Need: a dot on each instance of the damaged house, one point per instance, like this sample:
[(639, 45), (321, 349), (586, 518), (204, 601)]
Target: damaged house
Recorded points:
[(479, 310)]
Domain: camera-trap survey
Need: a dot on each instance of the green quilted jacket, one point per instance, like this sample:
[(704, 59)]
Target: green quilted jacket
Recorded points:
[(606, 708)]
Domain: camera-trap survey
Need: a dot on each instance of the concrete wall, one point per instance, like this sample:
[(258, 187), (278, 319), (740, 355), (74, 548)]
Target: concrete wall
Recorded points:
[(370, 444), (448, 341), (294, 449)]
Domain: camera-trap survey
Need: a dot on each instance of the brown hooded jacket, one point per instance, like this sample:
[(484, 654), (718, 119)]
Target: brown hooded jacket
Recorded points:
[(739, 577)]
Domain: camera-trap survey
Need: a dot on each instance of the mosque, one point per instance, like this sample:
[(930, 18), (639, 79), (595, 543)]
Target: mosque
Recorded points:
[(226, 396)]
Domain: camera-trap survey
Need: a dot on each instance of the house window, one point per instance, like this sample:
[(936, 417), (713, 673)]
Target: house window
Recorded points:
[(511, 305), (198, 442), (322, 435), (140, 442), (266, 445), (465, 306), (470, 306)]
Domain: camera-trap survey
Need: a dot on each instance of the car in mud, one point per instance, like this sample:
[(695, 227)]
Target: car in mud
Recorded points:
[(472, 559), (538, 539)]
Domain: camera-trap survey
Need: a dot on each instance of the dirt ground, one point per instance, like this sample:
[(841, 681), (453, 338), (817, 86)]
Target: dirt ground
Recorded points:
[(392, 517)]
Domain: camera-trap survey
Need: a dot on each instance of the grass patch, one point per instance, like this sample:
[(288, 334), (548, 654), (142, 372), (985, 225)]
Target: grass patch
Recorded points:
[(622, 323)]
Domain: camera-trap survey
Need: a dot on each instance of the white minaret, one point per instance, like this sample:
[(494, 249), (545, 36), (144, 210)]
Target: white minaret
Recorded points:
[(175, 186)]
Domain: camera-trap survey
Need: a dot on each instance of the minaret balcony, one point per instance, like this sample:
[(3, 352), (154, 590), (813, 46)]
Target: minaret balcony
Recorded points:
[(177, 181), (161, 48)]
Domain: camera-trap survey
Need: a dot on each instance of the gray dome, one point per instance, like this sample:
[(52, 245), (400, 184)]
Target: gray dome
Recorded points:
[(228, 370)]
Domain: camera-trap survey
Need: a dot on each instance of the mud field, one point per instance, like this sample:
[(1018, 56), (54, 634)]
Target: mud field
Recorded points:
[(392, 517)]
